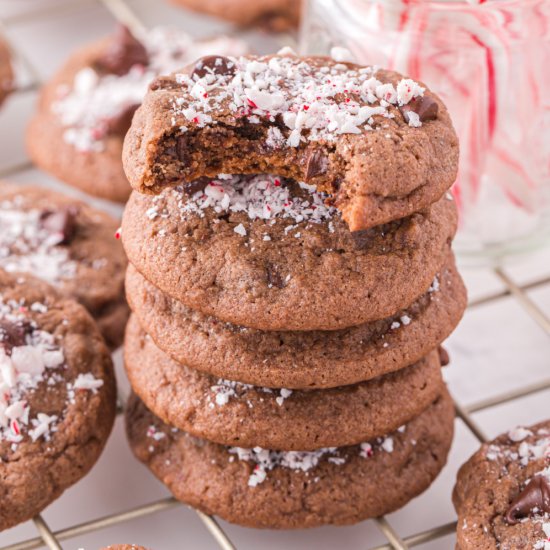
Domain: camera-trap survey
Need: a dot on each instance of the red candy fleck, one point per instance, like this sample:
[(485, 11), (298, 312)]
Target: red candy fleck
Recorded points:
[(277, 182), (196, 120), (118, 233), (15, 427), (252, 104)]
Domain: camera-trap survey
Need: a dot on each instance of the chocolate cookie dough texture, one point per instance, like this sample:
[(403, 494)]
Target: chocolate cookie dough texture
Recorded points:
[(275, 15), (6, 71), (291, 281), (85, 110), (71, 246), (57, 398), (502, 494)]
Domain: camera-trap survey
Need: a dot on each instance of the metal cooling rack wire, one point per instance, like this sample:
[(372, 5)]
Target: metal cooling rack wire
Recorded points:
[(122, 12)]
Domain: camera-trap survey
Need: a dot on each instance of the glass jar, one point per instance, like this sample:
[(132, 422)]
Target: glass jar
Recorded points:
[(490, 62)]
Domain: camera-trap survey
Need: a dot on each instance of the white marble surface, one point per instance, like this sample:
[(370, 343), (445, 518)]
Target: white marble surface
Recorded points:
[(497, 348)]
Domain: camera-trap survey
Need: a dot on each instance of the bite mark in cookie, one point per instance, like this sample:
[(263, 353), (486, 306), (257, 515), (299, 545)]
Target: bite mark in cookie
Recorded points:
[(335, 125), (105, 94)]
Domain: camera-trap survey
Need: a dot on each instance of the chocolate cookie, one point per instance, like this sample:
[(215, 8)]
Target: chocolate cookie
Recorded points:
[(86, 109), (382, 145), (290, 490), (6, 71), (69, 245), (315, 359), (57, 398), (502, 494), (232, 413), (275, 15), (269, 254)]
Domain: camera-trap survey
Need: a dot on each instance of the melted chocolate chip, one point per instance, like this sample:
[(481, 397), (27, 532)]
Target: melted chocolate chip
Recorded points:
[(192, 187), (535, 498), (12, 334), (274, 278), (361, 238), (424, 106), (316, 164), (443, 356), (120, 124), (122, 54), (61, 223), (214, 64)]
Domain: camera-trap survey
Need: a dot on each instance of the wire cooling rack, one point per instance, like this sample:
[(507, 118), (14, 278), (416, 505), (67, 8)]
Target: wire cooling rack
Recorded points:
[(123, 12)]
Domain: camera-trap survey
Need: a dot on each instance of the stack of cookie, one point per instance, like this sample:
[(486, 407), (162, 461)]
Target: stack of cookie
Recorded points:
[(291, 280)]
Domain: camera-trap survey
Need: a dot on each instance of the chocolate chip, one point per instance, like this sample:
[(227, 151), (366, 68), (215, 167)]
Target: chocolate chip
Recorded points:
[(362, 238), (316, 164), (122, 54), (120, 124), (535, 498), (443, 356), (61, 223), (214, 64), (274, 278), (424, 106), (192, 187), (12, 334)]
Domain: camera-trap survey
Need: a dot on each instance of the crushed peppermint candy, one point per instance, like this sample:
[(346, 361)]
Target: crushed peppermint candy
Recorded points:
[(266, 460), (526, 450), (32, 360), (405, 320), (86, 108), (434, 287), (155, 434), (519, 434), (544, 544), (225, 390), (261, 197), (314, 102), (28, 247)]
